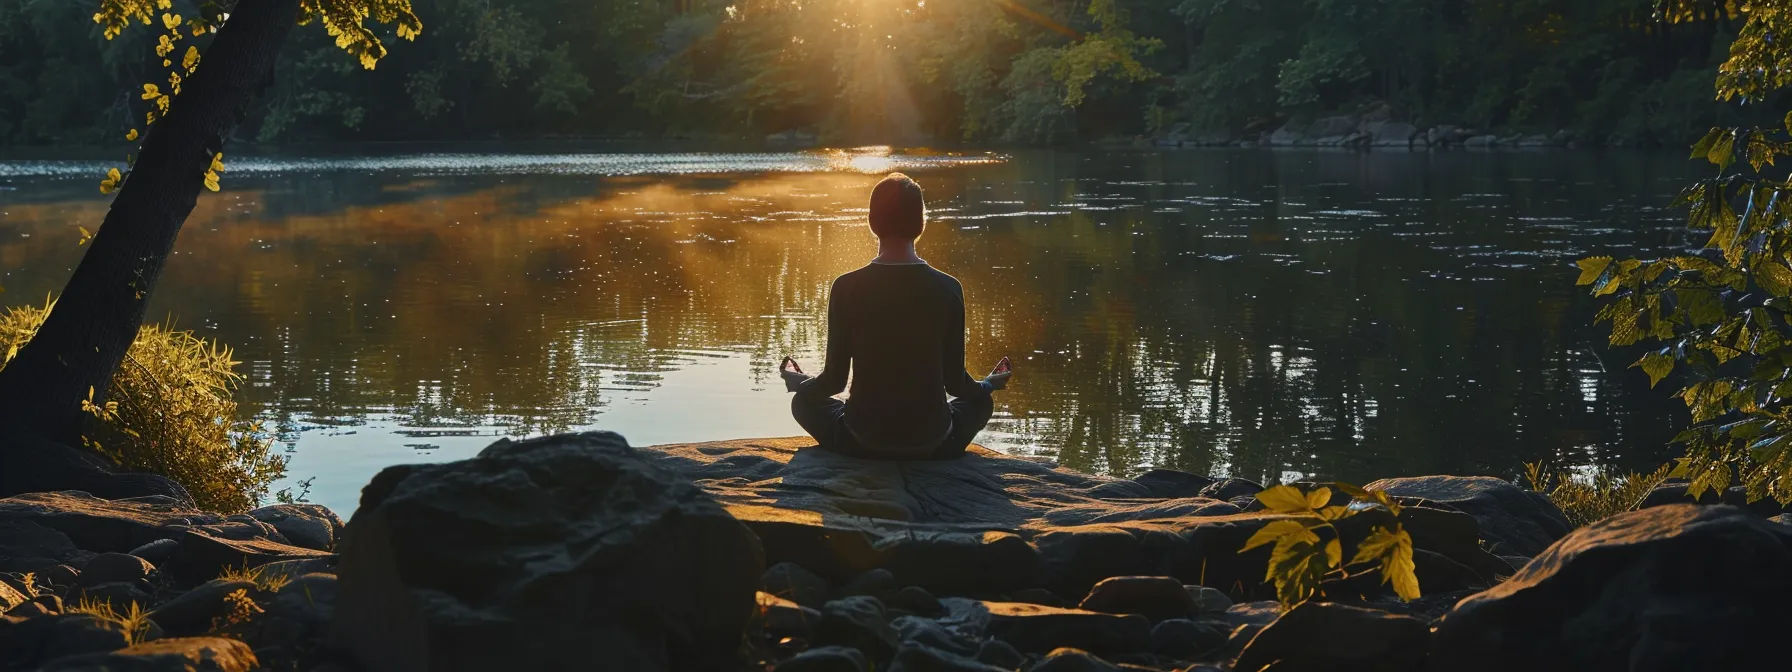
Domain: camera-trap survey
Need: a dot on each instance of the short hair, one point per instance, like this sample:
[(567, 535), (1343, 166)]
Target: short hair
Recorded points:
[(897, 209)]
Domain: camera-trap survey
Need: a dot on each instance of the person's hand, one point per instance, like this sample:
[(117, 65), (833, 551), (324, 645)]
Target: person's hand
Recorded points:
[(792, 379), (998, 380)]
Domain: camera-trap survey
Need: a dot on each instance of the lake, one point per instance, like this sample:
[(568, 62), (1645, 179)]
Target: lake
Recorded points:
[(1264, 314)]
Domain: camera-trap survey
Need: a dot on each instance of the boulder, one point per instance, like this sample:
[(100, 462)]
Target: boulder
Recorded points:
[(1227, 488), (1333, 127), (827, 659), (202, 555), (1031, 627), (861, 623), (1068, 659), (1392, 133), (1172, 484), (1320, 637), (1512, 520), (61, 576), (791, 582), (1481, 141), (181, 654), (1000, 654), (1678, 586), (1208, 600), (777, 617), (1286, 136), (311, 526), (922, 658), (875, 582), (296, 617), (930, 633), (1154, 597), (538, 552), (156, 551), (116, 567), (1181, 638), (915, 600), (29, 643), (26, 546), (193, 612), (104, 525)]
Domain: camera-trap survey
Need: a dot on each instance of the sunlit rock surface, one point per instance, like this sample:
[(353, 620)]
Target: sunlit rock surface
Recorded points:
[(988, 523)]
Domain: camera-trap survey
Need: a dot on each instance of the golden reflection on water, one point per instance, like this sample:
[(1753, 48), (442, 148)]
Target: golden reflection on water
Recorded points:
[(1266, 315)]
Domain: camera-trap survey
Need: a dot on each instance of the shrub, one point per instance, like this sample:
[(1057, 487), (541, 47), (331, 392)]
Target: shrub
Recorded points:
[(169, 410), (1587, 500), (1307, 546)]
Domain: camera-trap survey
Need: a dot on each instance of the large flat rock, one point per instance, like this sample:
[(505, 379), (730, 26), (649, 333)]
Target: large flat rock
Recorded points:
[(988, 523)]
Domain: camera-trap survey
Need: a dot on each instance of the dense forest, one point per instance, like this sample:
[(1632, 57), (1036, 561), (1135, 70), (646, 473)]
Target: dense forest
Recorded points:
[(1026, 71)]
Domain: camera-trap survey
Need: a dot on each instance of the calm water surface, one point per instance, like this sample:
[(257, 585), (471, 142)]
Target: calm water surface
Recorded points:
[(1265, 314)]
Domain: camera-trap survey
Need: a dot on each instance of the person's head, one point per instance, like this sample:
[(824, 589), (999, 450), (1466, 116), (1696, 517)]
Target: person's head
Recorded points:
[(897, 210)]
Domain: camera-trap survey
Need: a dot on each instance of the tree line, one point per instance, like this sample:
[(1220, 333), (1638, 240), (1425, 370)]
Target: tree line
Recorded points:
[(945, 71)]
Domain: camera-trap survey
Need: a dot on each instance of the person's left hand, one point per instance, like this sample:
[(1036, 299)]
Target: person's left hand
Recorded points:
[(793, 380)]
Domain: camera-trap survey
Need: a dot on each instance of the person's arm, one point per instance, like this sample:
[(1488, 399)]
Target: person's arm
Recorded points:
[(959, 382), (832, 380)]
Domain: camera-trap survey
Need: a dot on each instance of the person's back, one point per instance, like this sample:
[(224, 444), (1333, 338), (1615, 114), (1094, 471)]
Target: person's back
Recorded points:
[(898, 324)]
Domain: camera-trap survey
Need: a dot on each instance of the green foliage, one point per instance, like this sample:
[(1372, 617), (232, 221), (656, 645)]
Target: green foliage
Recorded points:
[(1719, 315), (170, 412), (1308, 547), (1587, 500)]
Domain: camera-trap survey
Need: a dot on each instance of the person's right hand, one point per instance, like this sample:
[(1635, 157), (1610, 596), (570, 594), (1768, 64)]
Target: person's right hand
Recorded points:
[(998, 380)]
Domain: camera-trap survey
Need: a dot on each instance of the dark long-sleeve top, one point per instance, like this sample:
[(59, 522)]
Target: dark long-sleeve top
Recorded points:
[(900, 329)]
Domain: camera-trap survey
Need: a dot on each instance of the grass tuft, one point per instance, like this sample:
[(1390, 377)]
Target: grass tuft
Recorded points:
[(1587, 499)]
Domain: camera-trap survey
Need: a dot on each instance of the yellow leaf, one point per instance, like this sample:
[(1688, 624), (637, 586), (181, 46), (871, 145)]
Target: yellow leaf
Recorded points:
[(191, 59), (1274, 531), (166, 63), (1334, 512), (131, 136), (151, 92), (113, 177), (1392, 549), (1319, 497), (164, 4), (1284, 499), (85, 236), (218, 162), (171, 21), (1591, 268), (1657, 365), (211, 180), (1334, 553)]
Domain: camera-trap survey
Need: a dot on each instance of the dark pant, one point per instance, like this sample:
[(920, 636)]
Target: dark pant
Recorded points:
[(824, 418)]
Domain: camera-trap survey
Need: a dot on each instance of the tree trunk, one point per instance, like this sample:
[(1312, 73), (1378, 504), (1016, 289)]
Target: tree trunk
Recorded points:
[(100, 310)]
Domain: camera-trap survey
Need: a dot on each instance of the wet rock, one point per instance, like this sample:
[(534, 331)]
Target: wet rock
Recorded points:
[(29, 643), (1286, 136), (1334, 126), (311, 526), (116, 568), (915, 600), (859, 622), (875, 582), (791, 582), (193, 612), (103, 525), (778, 617), (26, 546), (1392, 133), (1680, 586), (1073, 660), (1208, 600), (202, 555), (156, 551), (1030, 627), (915, 657), (1322, 637), (1000, 654), (1172, 484), (1154, 597), (538, 552), (1481, 141), (182, 654), (1231, 487), (827, 659), (1182, 638), (1513, 520), (1262, 612)]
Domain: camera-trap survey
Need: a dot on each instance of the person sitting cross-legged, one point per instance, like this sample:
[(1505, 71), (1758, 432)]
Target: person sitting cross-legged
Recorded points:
[(898, 324)]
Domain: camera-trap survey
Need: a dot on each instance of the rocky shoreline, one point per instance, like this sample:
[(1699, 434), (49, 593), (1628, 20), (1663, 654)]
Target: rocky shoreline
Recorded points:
[(1375, 129), (579, 552)]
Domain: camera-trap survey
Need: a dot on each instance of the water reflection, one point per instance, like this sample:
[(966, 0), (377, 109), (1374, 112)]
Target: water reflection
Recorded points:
[(1270, 315)]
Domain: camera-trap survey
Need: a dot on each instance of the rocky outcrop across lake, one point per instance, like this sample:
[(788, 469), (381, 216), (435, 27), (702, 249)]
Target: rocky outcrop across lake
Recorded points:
[(580, 552)]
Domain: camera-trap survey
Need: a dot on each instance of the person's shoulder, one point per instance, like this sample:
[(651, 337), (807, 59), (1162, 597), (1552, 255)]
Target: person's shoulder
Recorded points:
[(946, 280), (850, 277)]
